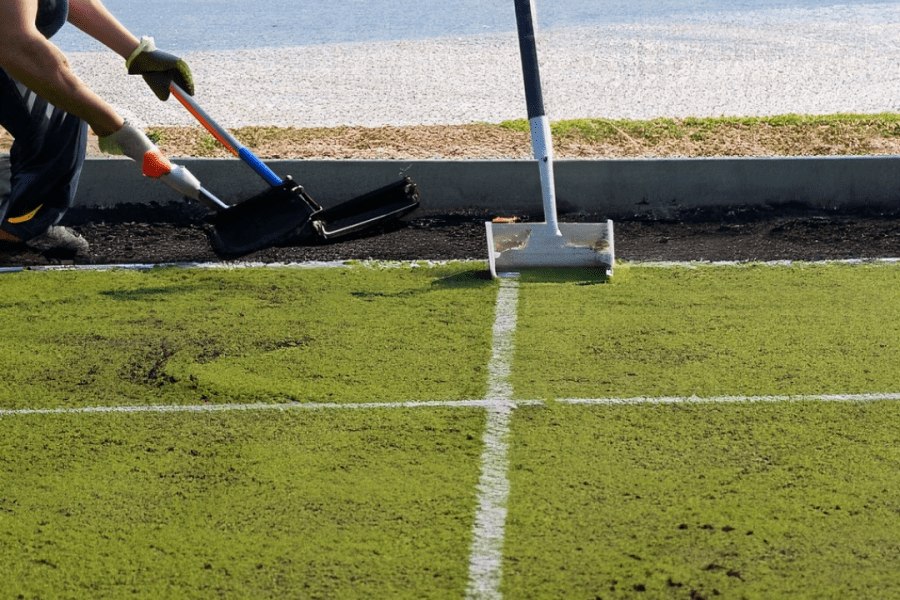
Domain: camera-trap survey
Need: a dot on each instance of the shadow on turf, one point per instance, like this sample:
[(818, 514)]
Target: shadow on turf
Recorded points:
[(482, 277), (580, 276), (466, 279), (144, 293)]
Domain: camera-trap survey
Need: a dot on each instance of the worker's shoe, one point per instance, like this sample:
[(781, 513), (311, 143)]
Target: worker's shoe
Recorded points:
[(59, 241)]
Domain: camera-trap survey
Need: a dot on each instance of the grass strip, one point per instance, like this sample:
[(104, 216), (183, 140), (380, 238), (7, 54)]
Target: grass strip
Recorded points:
[(778, 135), (790, 134), (175, 336), (785, 500), (375, 503), (709, 331)]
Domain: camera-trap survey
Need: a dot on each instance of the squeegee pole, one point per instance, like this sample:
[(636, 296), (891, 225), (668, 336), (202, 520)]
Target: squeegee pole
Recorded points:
[(541, 142), (225, 138), (207, 198)]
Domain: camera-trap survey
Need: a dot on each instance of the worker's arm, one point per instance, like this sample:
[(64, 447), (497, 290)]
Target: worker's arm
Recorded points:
[(42, 67)]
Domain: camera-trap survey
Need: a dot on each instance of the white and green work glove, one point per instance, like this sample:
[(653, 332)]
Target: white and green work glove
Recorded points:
[(159, 69), (131, 142)]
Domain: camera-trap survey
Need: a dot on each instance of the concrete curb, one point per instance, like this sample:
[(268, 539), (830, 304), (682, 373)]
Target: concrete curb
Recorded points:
[(614, 188)]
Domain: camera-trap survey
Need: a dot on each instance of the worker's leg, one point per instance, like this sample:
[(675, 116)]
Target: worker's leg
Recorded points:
[(44, 162)]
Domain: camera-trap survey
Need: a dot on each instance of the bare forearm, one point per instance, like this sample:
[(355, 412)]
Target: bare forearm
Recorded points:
[(92, 17), (44, 69)]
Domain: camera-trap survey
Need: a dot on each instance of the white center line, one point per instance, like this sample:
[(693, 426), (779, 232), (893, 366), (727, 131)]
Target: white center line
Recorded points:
[(492, 404), (486, 557), (261, 406)]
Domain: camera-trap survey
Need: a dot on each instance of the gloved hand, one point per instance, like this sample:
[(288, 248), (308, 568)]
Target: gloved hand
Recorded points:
[(131, 142), (159, 69)]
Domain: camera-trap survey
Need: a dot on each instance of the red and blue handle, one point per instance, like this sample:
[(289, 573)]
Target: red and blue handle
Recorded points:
[(225, 138)]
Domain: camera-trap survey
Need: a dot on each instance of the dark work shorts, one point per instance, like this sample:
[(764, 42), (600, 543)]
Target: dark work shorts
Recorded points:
[(47, 155)]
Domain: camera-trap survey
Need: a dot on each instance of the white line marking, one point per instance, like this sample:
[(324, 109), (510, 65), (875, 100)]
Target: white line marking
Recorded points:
[(402, 264), (495, 404), (692, 264), (229, 265), (486, 557), (503, 341), (224, 265), (729, 399)]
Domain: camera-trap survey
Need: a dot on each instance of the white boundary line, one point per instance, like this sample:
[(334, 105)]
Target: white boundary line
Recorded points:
[(225, 265), (489, 530), (690, 264), (731, 399), (388, 264), (493, 404), (229, 265)]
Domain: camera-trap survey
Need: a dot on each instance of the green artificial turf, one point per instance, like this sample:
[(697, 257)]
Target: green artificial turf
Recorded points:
[(697, 500), (747, 330), (177, 336), (296, 503), (749, 500)]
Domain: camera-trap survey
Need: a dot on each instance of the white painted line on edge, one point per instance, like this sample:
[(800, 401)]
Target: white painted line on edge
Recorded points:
[(693, 264), (503, 340), (486, 557), (731, 399), (232, 265), (224, 265)]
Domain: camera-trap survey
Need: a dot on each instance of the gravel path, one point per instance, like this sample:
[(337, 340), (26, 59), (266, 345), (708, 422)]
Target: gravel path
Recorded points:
[(819, 63)]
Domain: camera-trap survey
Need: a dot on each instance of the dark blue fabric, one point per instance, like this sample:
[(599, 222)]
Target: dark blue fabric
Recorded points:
[(48, 152), (51, 16), (45, 159)]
